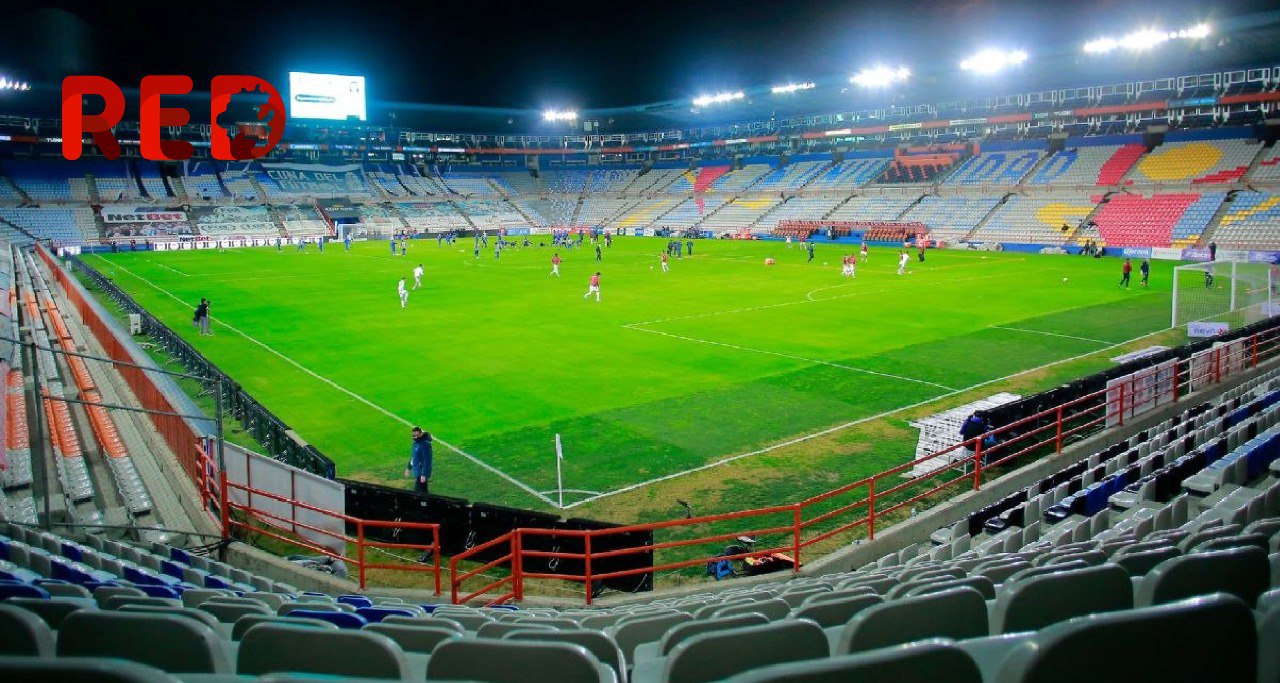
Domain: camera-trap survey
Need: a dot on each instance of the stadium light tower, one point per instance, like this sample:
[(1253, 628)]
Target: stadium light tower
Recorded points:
[(12, 85), (555, 115), (791, 87), (1145, 39), (718, 98), (880, 76), (990, 61)]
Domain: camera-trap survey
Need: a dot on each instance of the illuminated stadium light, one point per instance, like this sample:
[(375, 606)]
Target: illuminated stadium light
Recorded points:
[(880, 76), (1144, 39), (718, 98), (553, 115), (991, 61), (790, 87), (6, 84)]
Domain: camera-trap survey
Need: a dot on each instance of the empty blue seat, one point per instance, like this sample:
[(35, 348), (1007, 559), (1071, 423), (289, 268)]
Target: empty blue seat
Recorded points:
[(18, 575), (15, 589), (339, 619), (376, 614), (160, 591), (355, 600)]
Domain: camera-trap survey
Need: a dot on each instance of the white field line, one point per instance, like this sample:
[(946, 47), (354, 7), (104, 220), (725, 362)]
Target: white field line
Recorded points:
[(1050, 334), (516, 482), (765, 352), (846, 425), (168, 268)]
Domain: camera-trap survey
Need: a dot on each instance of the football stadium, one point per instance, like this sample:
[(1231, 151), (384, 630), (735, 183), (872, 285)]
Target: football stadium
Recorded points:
[(746, 363)]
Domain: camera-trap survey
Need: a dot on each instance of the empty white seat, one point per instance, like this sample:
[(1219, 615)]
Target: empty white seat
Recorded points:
[(926, 660), (516, 661), (1207, 638), (172, 643)]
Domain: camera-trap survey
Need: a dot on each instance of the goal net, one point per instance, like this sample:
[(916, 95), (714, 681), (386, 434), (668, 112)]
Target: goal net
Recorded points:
[(1232, 292)]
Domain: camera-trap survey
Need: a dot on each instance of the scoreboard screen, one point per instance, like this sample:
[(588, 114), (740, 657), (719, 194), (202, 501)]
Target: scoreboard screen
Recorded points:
[(326, 96)]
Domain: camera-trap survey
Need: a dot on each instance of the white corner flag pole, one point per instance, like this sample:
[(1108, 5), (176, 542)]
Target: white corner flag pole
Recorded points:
[(559, 475)]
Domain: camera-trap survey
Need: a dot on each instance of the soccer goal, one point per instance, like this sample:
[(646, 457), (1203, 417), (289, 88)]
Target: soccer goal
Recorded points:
[(1233, 292)]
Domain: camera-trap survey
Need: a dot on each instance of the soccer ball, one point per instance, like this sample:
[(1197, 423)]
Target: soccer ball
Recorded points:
[(1064, 279), (824, 263), (650, 267)]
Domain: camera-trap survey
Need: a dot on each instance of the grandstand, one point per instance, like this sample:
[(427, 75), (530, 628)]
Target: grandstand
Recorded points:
[(1199, 162), (1027, 219), (708, 474), (995, 168), (872, 208), (1251, 220), (950, 219), (1156, 220)]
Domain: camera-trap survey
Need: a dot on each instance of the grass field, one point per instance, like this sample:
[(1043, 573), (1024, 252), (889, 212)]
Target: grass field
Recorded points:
[(720, 357)]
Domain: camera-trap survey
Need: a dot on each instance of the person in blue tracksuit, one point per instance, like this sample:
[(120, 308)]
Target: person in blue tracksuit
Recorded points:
[(420, 460)]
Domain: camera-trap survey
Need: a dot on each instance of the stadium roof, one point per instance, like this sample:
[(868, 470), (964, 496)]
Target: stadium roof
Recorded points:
[(595, 61)]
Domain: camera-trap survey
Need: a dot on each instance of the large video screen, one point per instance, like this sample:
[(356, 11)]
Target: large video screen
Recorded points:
[(326, 96)]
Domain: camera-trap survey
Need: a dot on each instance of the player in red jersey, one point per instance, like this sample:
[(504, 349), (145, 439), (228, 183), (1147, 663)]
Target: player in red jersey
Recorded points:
[(593, 286)]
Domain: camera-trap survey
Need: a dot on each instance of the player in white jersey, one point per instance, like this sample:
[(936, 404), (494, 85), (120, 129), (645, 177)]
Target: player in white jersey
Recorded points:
[(417, 276), (404, 293), (903, 259)]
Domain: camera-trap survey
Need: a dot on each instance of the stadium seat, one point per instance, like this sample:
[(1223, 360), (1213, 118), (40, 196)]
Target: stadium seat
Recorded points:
[(1152, 643), (601, 646), (956, 613), (243, 624), (836, 612), (717, 655), (417, 638), (1242, 572), (925, 660), (516, 661), (277, 648), (52, 610), (79, 670), (168, 642), (1035, 602), (230, 614), (24, 633)]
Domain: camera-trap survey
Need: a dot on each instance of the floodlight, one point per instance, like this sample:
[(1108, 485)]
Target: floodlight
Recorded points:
[(1145, 39), (554, 115), (990, 61), (880, 76), (791, 87), (718, 98)]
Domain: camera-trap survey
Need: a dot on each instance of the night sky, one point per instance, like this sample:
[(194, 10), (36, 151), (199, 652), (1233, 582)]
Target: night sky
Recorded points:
[(552, 54)]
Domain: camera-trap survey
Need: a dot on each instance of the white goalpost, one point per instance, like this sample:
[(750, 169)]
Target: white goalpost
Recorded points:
[(1231, 292)]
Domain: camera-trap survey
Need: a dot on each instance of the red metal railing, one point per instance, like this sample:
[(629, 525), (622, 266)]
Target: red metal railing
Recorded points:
[(360, 541), (863, 503), (511, 558)]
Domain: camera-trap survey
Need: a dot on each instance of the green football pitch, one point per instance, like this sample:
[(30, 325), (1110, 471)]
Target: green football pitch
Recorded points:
[(721, 356)]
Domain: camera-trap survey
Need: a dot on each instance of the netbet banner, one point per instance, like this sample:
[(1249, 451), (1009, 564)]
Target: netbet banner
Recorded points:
[(129, 222), (326, 96), (141, 215), (315, 178)]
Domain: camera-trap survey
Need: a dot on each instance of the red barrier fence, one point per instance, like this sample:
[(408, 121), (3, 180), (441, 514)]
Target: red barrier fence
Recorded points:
[(860, 505), (359, 543)]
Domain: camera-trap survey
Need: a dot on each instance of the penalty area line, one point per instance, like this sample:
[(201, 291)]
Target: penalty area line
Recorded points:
[(779, 354), (853, 423), (510, 479), (1049, 334)]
